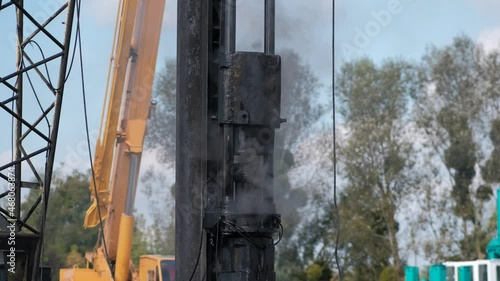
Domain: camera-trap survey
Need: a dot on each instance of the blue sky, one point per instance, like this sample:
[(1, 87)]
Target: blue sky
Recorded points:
[(418, 25)]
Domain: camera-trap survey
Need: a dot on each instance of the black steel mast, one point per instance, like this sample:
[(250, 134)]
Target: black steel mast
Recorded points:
[(44, 27), (228, 108)]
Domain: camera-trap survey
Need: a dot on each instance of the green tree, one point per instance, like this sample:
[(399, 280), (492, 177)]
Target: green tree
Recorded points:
[(318, 271), (314, 272), (161, 137), (161, 128), (452, 110), (161, 231), (376, 155), (66, 240), (140, 243), (490, 169), (75, 258), (316, 238), (388, 274), (363, 236), (434, 228)]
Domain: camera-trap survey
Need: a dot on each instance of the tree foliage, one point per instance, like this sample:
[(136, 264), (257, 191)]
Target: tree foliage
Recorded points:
[(161, 212), (453, 111), (420, 143), (377, 156), (161, 128), (67, 241)]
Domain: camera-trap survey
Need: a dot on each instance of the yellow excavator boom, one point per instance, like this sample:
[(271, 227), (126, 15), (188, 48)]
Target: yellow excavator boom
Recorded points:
[(120, 144), (103, 158)]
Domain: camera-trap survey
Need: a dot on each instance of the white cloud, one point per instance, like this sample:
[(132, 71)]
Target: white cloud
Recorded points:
[(490, 39)]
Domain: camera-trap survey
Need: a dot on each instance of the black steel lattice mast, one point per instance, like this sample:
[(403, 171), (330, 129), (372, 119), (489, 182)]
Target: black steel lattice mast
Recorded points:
[(38, 35), (228, 108)]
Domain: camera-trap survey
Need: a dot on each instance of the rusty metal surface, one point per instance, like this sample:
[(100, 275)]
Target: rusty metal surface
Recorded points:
[(252, 89), (189, 142)]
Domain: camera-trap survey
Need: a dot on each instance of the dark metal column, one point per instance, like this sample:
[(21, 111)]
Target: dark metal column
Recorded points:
[(190, 140), (19, 110), (228, 107), (59, 94), (21, 259), (269, 26), (229, 18)]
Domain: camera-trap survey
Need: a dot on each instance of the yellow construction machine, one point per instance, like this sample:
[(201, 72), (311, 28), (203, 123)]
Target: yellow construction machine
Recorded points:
[(119, 148)]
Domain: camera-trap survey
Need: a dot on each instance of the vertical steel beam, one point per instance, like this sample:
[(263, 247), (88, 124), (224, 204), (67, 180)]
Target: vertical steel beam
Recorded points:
[(18, 133), (229, 26), (190, 124), (55, 129), (269, 14), (19, 110)]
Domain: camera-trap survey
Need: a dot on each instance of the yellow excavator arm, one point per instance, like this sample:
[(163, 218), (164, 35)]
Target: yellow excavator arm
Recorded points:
[(119, 154), (120, 143), (105, 147)]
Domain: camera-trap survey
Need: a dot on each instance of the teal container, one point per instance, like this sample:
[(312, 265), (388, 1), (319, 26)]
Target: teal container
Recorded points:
[(464, 273), (411, 273), (493, 248), (437, 272)]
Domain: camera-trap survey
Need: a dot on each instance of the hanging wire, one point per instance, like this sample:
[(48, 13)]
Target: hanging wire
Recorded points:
[(70, 68), (243, 233), (38, 101), (79, 39), (198, 258), (335, 206), (33, 42), (217, 252), (201, 238)]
